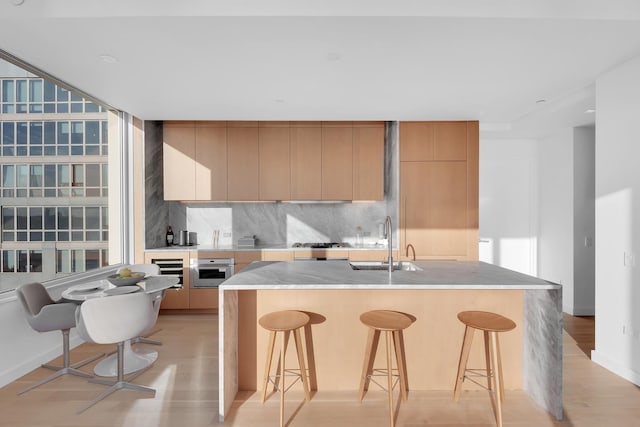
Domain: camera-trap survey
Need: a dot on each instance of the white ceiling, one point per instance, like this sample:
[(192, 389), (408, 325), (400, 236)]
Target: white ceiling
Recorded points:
[(489, 60)]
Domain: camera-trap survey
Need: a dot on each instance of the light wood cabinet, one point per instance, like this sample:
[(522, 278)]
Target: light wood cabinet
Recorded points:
[(275, 166), (250, 161), (337, 163), (450, 141), (306, 162), (211, 161), (434, 207), (195, 161), (439, 197), (279, 255), (244, 258), (242, 163), (429, 141), (372, 255), (416, 141), (179, 153), (368, 162)]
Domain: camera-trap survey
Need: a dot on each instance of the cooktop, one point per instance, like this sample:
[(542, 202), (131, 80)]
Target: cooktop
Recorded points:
[(321, 245)]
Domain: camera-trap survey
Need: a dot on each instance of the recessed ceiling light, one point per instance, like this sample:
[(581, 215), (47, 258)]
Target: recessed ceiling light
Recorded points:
[(279, 101), (590, 111), (541, 101), (108, 59), (17, 2)]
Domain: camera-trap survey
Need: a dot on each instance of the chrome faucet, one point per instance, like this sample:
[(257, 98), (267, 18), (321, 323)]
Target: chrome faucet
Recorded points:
[(388, 230)]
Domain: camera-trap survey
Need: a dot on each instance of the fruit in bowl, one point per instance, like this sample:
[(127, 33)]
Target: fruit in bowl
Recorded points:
[(125, 277)]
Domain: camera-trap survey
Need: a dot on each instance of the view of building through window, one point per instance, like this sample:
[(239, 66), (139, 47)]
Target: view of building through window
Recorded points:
[(53, 180)]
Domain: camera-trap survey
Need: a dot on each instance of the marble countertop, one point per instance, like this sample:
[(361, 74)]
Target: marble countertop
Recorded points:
[(339, 275), (266, 247)]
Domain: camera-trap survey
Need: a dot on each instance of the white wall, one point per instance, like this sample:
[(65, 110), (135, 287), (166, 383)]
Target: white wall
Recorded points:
[(508, 203), (618, 221), (555, 245), (584, 221)]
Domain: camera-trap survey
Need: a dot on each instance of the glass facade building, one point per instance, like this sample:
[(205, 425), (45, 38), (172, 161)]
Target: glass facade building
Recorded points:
[(53, 180)]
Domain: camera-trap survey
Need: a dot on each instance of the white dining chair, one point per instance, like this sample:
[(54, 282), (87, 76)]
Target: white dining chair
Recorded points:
[(115, 319), (148, 270)]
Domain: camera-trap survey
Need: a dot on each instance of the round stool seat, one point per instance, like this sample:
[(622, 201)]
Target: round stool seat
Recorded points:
[(286, 320), (486, 321), (386, 320)]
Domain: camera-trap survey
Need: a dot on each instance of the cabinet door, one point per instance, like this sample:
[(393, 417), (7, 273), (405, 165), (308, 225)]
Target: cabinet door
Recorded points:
[(179, 152), (306, 162), (337, 163), (203, 299), (416, 141), (274, 169), (450, 141), (280, 255), (242, 173), (368, 163), (211, 163), (434, 208)]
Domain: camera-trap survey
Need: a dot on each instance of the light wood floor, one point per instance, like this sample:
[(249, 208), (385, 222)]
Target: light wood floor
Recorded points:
[(185, 377)]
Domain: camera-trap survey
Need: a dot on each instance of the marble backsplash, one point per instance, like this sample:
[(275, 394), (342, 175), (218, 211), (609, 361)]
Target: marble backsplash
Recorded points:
[(277, 223)]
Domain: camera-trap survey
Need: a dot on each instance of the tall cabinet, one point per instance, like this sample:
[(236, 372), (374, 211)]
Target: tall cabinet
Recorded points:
[(439, 189)]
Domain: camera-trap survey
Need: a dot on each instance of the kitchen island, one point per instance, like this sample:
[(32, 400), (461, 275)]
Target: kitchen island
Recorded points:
[(335, 295)]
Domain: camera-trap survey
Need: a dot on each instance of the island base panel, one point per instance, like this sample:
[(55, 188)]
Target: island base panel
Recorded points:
[(336, 338)]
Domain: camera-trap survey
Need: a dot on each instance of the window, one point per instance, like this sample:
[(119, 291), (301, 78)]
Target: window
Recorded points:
[(54, 172)]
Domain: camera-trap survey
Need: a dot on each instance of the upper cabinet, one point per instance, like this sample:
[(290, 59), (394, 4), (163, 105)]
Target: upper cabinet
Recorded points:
[(433, 141), (243, 161), (274, 159), (337, 161), (368, 161), (211, 161), (195, 161), (264, 161), (179, 153), (306, 161)]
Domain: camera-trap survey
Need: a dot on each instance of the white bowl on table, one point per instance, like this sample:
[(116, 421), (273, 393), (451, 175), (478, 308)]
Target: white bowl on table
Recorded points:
[(116, 280)]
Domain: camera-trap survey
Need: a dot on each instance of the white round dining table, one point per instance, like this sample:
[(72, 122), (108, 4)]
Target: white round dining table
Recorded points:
[(135, 359)]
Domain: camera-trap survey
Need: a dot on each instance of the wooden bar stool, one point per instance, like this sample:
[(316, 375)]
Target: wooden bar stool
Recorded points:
[(491, 324), (392, 323), (286, 321)]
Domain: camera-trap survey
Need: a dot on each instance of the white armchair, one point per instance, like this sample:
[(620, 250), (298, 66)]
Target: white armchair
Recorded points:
[(115, 319), (43, 315)]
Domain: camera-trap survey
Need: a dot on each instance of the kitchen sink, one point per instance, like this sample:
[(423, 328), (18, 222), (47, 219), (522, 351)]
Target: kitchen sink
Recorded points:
[(383, 265)]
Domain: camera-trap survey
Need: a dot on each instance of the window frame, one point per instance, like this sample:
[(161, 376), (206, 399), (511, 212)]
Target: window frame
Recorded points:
[(119, 127)]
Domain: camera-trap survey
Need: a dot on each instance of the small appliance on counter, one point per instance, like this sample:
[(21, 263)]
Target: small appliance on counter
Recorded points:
[(185, 238), (247, 242)]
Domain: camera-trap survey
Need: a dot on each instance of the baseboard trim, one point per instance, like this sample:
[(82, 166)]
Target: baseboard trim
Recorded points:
[(584, 311), (34, 362), (615, 367)]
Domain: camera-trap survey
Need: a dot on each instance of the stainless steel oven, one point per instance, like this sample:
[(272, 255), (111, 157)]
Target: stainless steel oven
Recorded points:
[(209, 272)]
